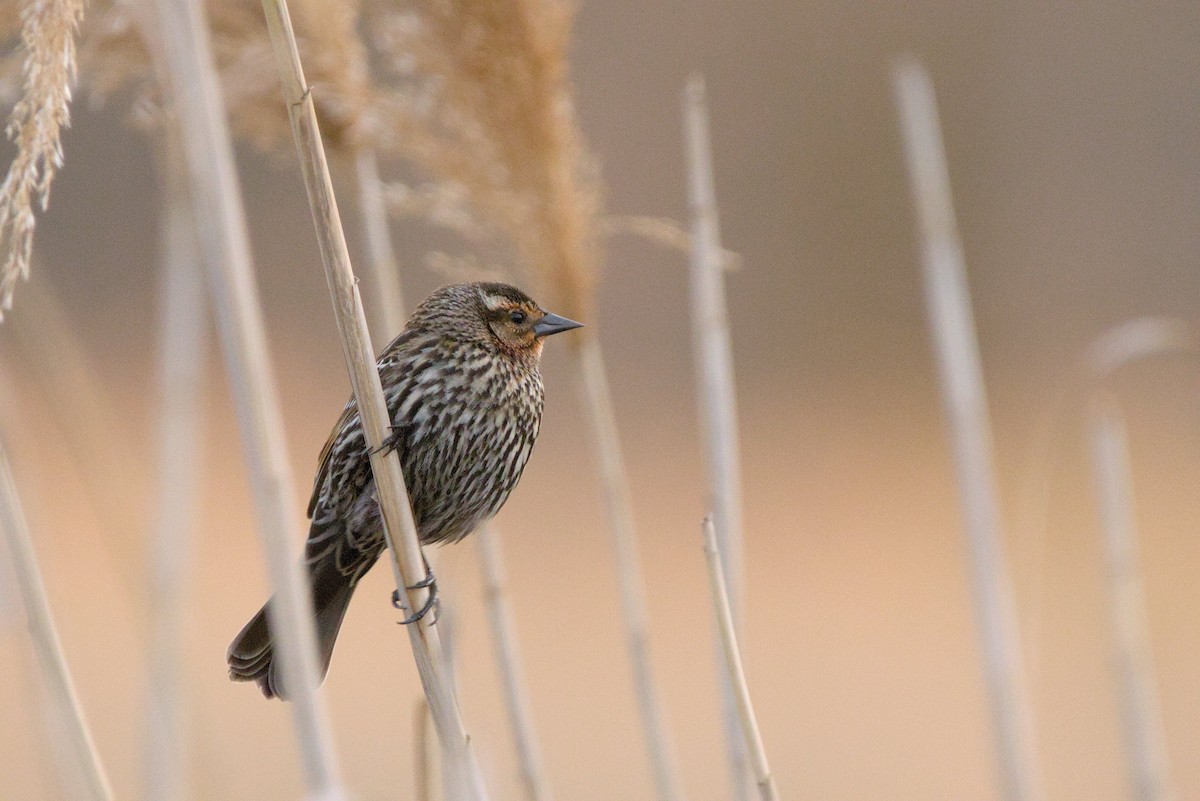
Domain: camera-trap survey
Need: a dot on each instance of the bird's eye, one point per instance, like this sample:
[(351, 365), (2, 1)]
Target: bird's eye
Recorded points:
[(517, 316)]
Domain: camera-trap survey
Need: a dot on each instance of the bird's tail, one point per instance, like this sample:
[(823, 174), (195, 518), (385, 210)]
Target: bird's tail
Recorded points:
[(251, 655)]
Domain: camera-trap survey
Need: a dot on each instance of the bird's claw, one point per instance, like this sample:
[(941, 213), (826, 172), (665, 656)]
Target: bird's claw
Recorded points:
[(431, 603), (430, 583), (390, 442)]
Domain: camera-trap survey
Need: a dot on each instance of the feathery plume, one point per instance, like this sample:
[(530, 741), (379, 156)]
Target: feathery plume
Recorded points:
[(485, 103), (48, 30)]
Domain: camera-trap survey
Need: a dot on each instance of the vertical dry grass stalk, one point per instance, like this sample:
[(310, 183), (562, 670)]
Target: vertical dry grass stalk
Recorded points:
[(1141, 725), (48, 29), (385, 268), (953, 330), (9, 601), (512, 675), (225, 247), (733, 664), (715, 389), (65, 368), (619, 509), (183, 326), (46, 644), (399, 527)]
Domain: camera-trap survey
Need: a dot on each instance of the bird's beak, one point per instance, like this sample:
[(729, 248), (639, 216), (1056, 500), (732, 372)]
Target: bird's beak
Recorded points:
[(553, 324)]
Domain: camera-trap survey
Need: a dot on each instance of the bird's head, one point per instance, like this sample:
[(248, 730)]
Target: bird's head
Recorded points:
[(499, 313), (517, 322)]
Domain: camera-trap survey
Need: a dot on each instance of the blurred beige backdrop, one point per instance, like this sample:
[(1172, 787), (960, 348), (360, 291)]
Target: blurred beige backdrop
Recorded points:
[(1073, 133)]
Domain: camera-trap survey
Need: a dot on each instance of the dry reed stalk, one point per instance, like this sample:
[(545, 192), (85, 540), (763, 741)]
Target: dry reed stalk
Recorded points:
[(1137, 339), (1141, 725), (225, 247), (51, 660), (952, 328), (716, 393), (733, 664), (1128, 342), (614, 479), (66, 370), (403, 543), (384, 267), (48, 30), (183, 326), (424, 771), (9, 602), (512, 674)]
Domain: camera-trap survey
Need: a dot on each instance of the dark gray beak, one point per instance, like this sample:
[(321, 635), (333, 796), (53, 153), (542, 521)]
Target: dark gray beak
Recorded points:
[(553, 324)]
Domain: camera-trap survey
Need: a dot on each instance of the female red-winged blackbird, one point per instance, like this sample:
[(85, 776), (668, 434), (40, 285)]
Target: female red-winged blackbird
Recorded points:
[(465, 398)]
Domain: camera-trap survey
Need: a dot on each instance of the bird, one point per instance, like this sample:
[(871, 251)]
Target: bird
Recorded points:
[(464, 395)]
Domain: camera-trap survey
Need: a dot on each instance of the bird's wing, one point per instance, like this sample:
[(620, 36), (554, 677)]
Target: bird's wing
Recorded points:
[(342, 457), (334, 454)]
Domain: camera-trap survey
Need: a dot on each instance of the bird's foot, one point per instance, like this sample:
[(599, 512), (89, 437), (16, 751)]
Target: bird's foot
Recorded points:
[(430, 583), (431, 603), (390, 443)]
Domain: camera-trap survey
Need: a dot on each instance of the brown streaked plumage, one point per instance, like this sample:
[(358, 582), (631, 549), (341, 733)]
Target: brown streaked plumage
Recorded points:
[(465, 398)]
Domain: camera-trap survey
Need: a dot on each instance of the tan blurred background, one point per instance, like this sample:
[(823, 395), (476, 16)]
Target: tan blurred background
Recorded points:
[(1073, 133)]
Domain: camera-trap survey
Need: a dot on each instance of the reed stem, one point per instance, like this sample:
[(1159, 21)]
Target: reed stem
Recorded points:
[(1140, 722), (47, 646), (225, 249), (384, 267), (953, 331), (733, 664), (183, 327), (593, 385), (403, 543), (512, 673), (715, 388)]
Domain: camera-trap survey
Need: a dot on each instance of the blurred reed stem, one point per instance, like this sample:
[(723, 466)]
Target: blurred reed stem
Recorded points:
[(66, 368), (225, 248), (1128, 342), (425, 770), (593, 385), (183, 330), (733, 665), (512, 673), (953, 331), (50, 657), (716, 389), (1141, 726), (382, 262), (716, 393), (403, 543)]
